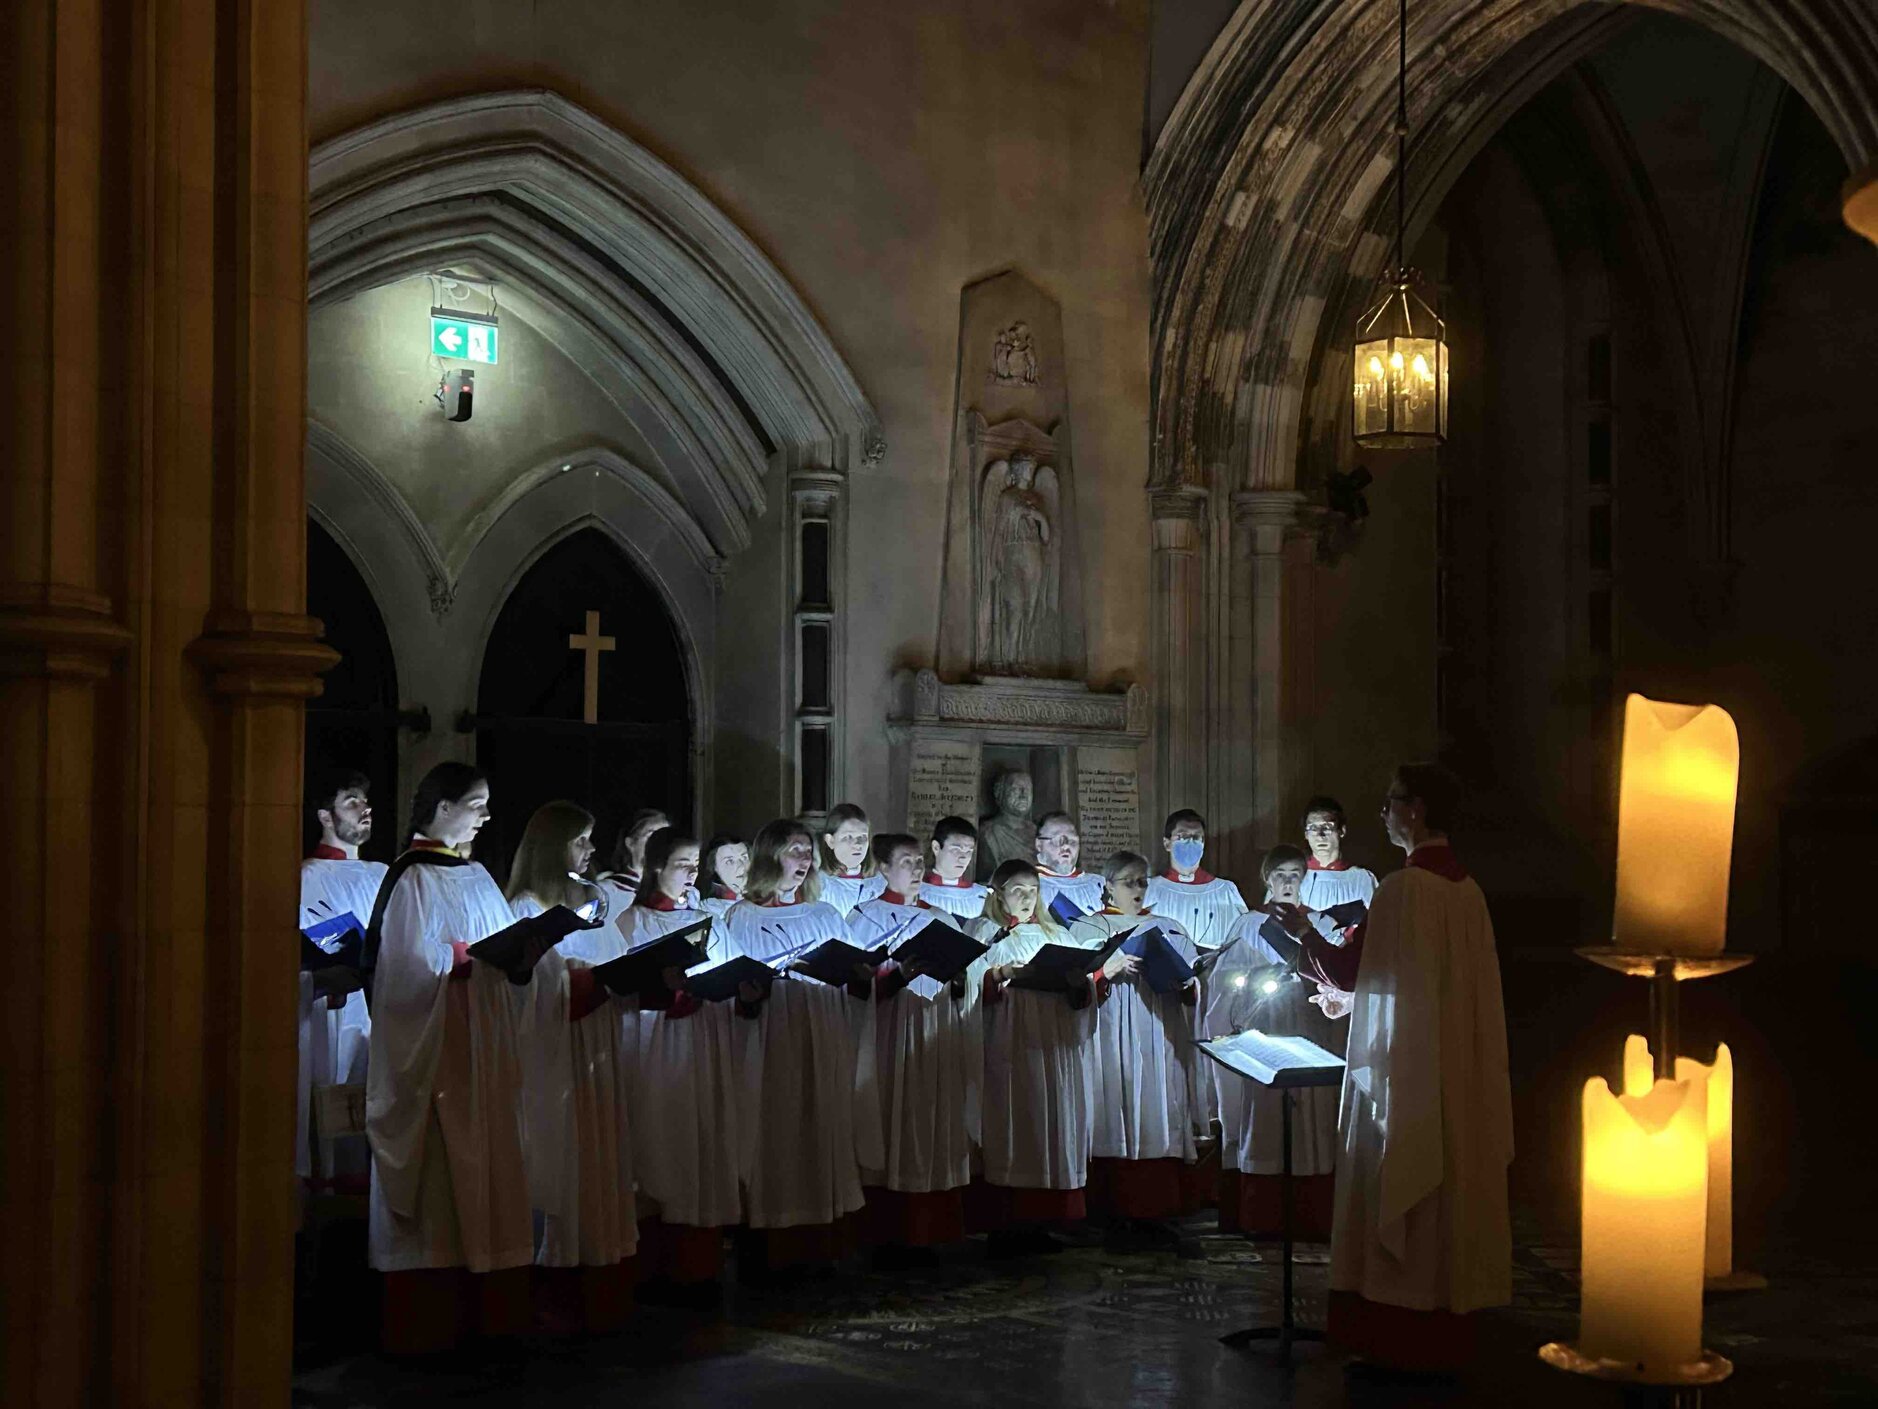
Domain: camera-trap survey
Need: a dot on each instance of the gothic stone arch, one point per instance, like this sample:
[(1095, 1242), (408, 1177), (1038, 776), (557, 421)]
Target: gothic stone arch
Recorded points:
[(633, 272), (1267, 218)]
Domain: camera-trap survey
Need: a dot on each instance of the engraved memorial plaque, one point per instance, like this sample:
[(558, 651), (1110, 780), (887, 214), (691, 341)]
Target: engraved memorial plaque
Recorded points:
[(1108, 803), (942, 780)]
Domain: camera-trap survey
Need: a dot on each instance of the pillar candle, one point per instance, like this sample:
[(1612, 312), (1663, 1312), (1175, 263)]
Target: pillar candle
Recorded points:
[(1675, 827), (1719, 1078), (1645, 1206)]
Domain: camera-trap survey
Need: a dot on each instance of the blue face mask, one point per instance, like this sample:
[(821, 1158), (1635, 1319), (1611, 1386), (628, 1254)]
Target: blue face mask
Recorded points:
[(1187, 852)]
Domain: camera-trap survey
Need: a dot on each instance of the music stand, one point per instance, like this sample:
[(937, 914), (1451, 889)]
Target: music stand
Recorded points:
[(1284, 1064)]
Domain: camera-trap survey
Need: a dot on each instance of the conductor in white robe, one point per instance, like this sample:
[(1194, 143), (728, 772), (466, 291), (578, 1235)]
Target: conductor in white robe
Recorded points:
[(1421, 1235)]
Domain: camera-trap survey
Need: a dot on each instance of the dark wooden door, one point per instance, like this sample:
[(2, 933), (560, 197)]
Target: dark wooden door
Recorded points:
[(532, 736)]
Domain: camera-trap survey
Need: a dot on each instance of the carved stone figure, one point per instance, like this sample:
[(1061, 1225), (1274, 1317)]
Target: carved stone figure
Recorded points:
[(1017, 564), (1014, 356), (1009, 831)]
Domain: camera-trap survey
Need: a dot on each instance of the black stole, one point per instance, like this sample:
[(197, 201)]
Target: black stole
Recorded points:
[(413, 856)]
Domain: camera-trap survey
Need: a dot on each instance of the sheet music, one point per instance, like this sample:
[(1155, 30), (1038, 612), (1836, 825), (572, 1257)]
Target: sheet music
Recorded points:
[(1275, 1061)]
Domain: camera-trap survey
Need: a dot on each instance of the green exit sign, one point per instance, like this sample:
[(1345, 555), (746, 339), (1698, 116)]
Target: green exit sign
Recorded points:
[(464, 339)]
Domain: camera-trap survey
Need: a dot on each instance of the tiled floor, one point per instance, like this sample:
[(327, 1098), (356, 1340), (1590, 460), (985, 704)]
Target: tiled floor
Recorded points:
[(1089, 1327)]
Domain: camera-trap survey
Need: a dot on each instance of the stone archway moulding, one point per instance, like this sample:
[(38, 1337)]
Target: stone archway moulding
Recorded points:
[(1265, 193), (635, 275), (1263, 188), (573, 176)]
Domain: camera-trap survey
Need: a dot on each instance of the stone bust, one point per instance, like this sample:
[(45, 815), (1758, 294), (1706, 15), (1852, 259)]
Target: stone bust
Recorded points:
[(1008, 832)]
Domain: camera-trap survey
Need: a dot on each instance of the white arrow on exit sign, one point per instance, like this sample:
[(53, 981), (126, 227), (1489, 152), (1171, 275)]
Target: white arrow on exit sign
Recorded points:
[(467, 339)]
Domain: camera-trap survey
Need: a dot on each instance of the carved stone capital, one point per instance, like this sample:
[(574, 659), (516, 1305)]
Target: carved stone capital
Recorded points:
[(1178, 518), (270, 655), (1277, 508), (57, 632), (815, 493), (1264, 520), (1185, 501)]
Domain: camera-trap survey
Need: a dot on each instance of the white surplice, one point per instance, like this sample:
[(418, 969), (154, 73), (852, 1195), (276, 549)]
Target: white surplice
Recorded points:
[(1251, 1116), (444, 1091), (844, 892), (576, 1108), (1427, 1126), (1144, 1057), (334, 1042), (686, 1091), (964, 902), (811, 1113), (716, 906), (1039, 1073), (1325, 886), (929, 1054), (1083, 889), (1206, 907)]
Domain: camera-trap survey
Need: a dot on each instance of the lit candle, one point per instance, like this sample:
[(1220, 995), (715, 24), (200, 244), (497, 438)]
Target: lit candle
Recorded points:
[(1645, 1203), (1719, 1079), (1675, 827)]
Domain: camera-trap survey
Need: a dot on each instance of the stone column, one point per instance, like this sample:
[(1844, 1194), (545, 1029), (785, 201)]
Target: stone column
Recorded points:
[(1256, 685), (1180, 648), (154, 661)]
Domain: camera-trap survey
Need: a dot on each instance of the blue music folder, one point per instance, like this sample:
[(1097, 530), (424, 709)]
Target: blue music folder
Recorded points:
[(1065, 911), (339, 940), (1161, 964)]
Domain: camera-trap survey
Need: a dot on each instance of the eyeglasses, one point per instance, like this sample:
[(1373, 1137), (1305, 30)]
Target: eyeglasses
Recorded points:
[(1322, 829)]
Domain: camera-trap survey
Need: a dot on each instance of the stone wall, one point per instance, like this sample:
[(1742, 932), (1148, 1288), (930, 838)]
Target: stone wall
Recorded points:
[(882, 156)]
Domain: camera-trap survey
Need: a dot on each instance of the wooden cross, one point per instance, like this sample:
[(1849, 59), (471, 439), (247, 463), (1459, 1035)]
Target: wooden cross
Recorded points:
[(590, 645)]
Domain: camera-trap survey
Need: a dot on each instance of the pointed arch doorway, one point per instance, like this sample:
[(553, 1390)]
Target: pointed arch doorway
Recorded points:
[(584, 694), (353, 722)]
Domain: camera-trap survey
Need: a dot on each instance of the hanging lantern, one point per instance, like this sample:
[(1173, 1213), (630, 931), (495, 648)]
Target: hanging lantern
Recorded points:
[(1400, 366), (1401, 372)]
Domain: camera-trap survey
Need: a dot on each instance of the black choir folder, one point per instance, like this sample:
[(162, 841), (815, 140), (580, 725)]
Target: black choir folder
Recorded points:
[(833, 963), (517, 949), (941, 951), (1161, 964), (1277, 1062), (1351, 912), (715, 985), (1059, 968), (643, 970)]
